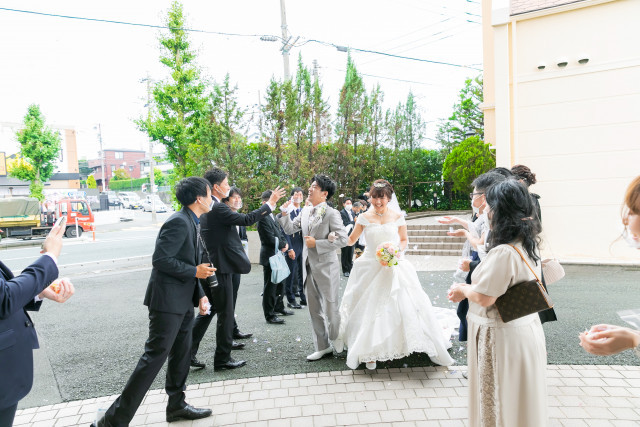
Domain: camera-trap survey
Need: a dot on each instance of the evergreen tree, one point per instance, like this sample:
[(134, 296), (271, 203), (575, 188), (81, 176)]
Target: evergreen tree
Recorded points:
[(467, 117), (470, 159), (39, 148), (180, 102)]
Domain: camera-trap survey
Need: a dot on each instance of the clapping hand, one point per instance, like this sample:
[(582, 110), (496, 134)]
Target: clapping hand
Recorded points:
[(606, 340), (59, 291), (276, 195), (455, 293), (447, 220), (460, 232)]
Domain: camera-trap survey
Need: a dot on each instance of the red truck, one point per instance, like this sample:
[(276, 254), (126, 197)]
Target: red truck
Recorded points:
[(22, 217)]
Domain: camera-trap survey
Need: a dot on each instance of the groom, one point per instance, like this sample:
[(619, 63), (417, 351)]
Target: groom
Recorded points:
[(320, 264)]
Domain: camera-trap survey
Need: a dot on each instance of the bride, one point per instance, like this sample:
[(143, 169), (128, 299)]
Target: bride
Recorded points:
[(385, 313)]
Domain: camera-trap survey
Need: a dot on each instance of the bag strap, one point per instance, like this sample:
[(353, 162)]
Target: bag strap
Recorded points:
[(277, 241), (525, 261)]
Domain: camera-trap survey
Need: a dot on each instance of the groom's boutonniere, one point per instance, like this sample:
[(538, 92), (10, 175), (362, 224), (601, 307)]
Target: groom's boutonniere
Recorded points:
[(319, 215)]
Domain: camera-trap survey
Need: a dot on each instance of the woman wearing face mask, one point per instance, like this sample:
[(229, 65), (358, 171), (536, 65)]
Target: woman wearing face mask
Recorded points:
[(606, 340)]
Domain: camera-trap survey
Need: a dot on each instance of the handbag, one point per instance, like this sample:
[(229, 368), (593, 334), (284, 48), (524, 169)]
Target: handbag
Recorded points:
[(279, 267), (523, 298), (552, 270)]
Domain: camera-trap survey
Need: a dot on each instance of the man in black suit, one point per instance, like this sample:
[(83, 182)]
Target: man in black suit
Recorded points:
[(228, 256), (293, 286), (17, 334), (172, 292), (349, 221), (357, 210), (272, 296)]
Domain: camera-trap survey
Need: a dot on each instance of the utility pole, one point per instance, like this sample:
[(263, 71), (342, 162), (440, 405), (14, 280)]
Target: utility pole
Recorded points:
[(104, 183), (151, 165), (285, 40), (317, 118)]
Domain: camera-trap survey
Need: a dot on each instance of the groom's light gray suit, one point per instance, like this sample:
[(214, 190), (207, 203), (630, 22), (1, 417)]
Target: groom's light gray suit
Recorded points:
[(320, 270)]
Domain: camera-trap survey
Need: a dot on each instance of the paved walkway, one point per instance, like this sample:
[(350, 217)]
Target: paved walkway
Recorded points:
[(578, 396)]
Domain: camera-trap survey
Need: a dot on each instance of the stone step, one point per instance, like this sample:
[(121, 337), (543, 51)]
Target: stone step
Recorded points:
[(429, 233), (431, 226), (436, 239), (435, 245), (434, 252)]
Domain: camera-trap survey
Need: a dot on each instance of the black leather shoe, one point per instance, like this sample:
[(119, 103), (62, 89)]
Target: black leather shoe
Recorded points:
[(231, 364), (195, 363), (296, 294), (293, 305), (101, 423), (188, 413), (285, 312), (240, 336), (303, 303), (275, 320), (237, 345)]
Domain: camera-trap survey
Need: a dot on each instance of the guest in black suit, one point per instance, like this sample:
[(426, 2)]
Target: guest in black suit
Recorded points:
[(349, 221), (225, 249), (272, 296), (293, 285), (172, 292), (358, 209), (234, 201), (17, 334)]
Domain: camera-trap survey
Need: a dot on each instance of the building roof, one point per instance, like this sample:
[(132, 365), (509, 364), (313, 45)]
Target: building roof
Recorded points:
[(6, 181), (525, 6), (64, 176)]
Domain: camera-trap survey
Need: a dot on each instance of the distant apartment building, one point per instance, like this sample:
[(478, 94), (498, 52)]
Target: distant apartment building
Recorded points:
[(115, 159)]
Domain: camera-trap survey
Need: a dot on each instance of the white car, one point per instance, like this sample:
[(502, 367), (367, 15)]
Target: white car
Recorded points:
[(147, 206), (130, 200)]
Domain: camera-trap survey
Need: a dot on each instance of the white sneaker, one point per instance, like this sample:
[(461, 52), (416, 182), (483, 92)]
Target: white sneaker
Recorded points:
[(338, 345), (371, 365), (319, 354)]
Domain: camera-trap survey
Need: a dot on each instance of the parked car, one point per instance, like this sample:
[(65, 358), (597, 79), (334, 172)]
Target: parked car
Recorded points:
[(130, 200), (114, 200), (147, 205)]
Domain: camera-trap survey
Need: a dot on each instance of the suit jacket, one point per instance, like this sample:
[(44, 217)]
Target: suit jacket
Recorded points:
[(323, 258), (295, 240), (242, 232), (221, 237), (17, 335), (346, 220), (173, 287), (268, 230)]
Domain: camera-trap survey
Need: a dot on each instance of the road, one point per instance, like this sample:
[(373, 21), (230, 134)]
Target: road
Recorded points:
[(90, 345)]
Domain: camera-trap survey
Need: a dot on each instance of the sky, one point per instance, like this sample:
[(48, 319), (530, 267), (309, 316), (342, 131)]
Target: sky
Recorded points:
[(84, 72)]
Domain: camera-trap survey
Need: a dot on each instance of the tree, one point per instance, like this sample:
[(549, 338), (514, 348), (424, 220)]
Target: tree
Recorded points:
[(467, 161), (91, 182), (120, 175), (467, 117), (158, 177), (180, 103), (39, 148)]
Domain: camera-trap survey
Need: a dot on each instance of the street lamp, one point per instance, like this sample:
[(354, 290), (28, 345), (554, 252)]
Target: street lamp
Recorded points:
[(99, 129)]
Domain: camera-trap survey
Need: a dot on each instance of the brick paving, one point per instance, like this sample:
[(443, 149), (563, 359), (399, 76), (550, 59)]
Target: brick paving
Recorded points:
[(429, 396)]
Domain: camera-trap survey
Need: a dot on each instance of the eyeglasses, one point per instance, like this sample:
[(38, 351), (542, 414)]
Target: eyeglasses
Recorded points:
[(474, 194)]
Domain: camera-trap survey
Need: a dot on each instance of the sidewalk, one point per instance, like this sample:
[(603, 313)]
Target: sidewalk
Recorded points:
[(578, 396)]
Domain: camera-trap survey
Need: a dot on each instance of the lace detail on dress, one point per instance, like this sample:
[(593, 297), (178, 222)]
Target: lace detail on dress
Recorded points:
[(487, 369)]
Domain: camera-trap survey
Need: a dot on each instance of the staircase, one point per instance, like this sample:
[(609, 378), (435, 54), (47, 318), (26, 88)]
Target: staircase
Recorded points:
[(432, 239)]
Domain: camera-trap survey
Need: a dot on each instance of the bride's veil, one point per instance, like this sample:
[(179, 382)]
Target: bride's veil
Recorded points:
[(395, 206)]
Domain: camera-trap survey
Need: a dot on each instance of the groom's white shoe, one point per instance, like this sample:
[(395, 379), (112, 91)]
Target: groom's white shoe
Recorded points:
[(319, 354), (338, 346)]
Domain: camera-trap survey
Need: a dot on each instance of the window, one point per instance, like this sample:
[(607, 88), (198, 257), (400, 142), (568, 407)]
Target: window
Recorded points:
[(119, 155), (80, 207), (113, 168), (131, 168)]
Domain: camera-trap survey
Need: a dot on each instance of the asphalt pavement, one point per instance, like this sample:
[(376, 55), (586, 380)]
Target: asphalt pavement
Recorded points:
[(91, 344)]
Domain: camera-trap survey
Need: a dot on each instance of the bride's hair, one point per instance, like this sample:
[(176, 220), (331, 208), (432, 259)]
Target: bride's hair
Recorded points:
[(381, 188)]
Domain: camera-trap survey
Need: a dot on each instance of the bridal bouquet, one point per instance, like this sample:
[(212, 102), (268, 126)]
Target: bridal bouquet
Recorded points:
[(387, 254)]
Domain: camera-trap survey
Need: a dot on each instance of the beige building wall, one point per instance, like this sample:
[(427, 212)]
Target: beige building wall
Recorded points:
[(576, 126)]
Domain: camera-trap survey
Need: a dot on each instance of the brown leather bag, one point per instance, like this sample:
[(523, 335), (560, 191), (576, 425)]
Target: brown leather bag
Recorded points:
[(523, 298)]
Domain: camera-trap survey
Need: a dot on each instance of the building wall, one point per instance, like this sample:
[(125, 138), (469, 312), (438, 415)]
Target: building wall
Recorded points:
[(577, 127), (127, 159)]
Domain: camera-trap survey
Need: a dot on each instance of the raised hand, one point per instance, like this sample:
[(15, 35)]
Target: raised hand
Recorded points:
[(285, 205), (276, 195), (53, 242)]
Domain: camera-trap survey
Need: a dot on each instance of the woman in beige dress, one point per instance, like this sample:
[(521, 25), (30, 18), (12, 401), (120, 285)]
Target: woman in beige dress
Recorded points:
[(507, 361)]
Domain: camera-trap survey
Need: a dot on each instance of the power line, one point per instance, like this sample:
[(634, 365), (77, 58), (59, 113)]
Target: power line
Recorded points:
[(134, 24)]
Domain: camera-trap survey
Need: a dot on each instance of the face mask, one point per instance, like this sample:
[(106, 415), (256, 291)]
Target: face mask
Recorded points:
[(208, 207), (475, 210), (631, 240), (297, 200), (225, 195), (238, 205), (348, 207)]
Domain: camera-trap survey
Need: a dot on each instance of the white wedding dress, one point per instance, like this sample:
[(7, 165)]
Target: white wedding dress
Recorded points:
[(385, 314)]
